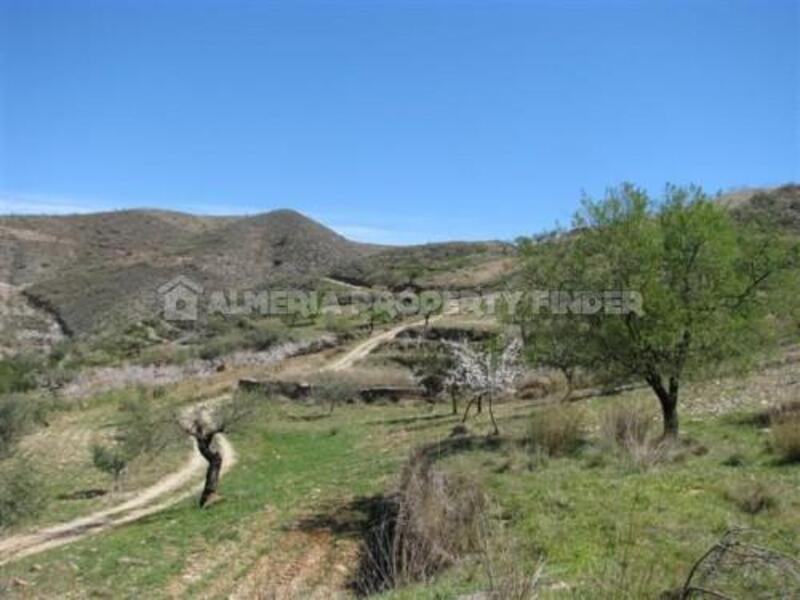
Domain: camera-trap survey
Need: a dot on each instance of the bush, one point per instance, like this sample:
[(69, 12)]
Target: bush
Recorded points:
[(145, 428), (17, 415), (432, 520), (785, 436), (625, 425), (332, 391), (556, 431), (21, 494), (751, 497), (219, 346), (17, 374), (110, 460), (340, 326), (628, 428)]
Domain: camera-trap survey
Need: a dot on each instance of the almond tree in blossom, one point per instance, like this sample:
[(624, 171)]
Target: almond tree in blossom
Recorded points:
[(485, 373)]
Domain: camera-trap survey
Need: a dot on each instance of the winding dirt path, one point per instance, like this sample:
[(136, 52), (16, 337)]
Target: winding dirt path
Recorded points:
[(365, 348), (169, 490)]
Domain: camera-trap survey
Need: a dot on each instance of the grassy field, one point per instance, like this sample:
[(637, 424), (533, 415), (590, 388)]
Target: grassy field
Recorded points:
[(295, 505)]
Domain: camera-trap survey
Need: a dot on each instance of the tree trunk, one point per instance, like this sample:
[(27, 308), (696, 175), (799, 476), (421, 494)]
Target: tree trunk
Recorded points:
[(214, 458), (668, 397), (466, 410), (454, 400), (569, 376), (496, 431)]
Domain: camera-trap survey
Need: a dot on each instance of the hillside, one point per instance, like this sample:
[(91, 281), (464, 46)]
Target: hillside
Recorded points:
[(89, 270), (777, 207)]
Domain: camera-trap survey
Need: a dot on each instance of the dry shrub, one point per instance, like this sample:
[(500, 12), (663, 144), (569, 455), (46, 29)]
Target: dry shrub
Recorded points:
[(625, 424), (740, 567), (782, 412), (751, 497), (785, 435), (429, 523), (557, 430), (627, 427), (510, 576)]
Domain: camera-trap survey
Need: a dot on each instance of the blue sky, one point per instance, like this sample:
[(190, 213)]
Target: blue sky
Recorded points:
[(392, 121)]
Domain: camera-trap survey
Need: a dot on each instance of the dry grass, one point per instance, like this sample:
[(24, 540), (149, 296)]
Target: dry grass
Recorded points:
[(752, 497), (512, 575), (556, 431), (627, 429), (624, 424), (428, 524), (785, 434)]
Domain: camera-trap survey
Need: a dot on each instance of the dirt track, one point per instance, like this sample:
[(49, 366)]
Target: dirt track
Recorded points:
[(166, 491)]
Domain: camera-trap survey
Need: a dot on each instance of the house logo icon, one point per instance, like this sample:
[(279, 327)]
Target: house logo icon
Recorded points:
[(179, 297)]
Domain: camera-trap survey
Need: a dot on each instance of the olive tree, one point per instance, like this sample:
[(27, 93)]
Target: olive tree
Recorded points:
[(707, 287)]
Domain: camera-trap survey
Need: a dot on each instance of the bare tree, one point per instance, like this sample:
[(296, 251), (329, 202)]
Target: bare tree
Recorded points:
[(486, 373), (206, 423)]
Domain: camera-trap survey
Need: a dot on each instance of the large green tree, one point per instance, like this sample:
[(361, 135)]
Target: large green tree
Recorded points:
[(709, 288)]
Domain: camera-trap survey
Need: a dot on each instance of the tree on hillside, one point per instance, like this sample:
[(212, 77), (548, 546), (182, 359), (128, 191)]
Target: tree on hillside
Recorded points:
[(485, 373), (551, 340), (707, 287), (143, 428), (22, 489), (206, 423)]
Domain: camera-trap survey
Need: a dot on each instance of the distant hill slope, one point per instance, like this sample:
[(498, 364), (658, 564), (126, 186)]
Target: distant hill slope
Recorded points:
[(454, 265), (777, 207), (87, 269)]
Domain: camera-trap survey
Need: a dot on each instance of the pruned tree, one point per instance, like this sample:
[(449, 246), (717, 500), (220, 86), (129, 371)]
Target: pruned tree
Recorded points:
[(707, 286), (486, 373), (206, 423)]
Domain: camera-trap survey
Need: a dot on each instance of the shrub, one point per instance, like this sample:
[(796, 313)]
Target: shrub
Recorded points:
[(624, 424), (21, 494), (510, 576), (17, 374), (430, 522), (340, 326), (785, 436), (556, 431), (219, 346), (112, 460), (751, 497), (145, 427), (627, 427), (333, 391), (17, 415)]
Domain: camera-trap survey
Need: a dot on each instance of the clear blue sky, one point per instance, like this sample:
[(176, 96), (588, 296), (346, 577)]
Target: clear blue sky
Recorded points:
[(393, 121)]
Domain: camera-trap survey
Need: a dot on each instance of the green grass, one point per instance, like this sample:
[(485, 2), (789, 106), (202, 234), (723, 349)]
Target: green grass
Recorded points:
[(284, 469), (583, 513)]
